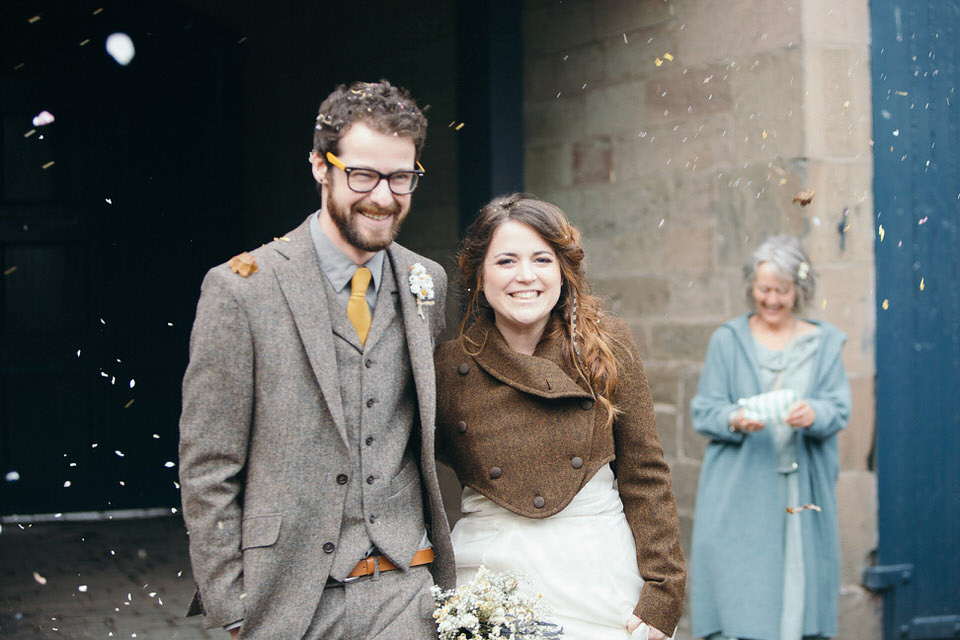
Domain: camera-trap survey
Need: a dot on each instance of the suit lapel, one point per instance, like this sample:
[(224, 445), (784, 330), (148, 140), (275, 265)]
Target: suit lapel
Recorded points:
[(301, 282), (419, 333)]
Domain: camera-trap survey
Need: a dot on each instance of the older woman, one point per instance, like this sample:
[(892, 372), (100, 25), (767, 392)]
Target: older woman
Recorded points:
[(772, 396), (541, 400)]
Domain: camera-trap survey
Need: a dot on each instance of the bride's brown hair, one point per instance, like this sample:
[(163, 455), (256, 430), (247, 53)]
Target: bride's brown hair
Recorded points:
[(575, 320)]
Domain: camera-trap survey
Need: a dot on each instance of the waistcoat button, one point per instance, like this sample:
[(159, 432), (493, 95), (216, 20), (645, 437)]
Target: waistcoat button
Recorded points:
[(342, 478), (328, 547), (576, 462), (368, 363), (370, 402), (369, 440), (463, 369), (538, 502), (586, 405), (369, 479), (496, 472), (373, 518), (462, 426)]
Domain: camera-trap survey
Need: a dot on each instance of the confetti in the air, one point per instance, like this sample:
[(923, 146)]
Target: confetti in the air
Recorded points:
[(66, 485), (12, 476), (812, 507), (169, 464), (922, 285), (120, 47), (119, 453), (922, 220), (886, 305), (49, 164), (133, 383), (82, 588), (43, 118), (39, 578), (882, 233)]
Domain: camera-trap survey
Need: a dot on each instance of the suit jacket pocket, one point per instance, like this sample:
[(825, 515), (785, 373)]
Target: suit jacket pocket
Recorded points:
[(260, 531)]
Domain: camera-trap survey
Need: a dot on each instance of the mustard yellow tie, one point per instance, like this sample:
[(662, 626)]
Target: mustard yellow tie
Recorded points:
[(357, 309)]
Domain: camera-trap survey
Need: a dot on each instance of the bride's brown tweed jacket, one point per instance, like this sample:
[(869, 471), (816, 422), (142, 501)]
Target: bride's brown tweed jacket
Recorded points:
[(526, 434)]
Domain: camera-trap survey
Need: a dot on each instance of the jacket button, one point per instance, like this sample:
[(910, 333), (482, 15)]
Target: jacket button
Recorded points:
[(538, 502), (496, 472), (342, 478), (369, 440), (368, 363), (373, 518), (463, 369), (370, 402), (369, 479), (462, 426), (576, 462), (586, 405), (328, 547)]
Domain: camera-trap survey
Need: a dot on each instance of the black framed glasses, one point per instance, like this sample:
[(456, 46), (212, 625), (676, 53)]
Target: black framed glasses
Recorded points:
[(362, 180)]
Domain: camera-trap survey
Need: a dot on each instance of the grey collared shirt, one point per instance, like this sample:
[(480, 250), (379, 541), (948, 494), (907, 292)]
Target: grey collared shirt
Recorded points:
[(339, 269)]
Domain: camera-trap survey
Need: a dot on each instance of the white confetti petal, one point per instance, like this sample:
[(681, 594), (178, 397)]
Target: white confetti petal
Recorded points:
[(12, 476), (133, 383), (82, 588), (120, 47), (39, 578), (119, 453), (169, 464), (43, 118)]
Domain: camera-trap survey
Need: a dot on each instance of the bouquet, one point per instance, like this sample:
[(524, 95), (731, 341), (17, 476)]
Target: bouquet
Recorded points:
[(490, 606)]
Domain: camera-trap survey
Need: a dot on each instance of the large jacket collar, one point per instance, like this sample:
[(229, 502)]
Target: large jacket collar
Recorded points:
[(546, 373)]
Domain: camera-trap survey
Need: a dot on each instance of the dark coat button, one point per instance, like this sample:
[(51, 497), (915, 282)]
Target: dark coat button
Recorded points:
[(576, 462), (370, 402), (369, 479), (463, 369), (586, 405), (462, 426), (342, 478), (496, 472), (368, 363), (369, 440), (373, 518), (328, 547), (538, 502)]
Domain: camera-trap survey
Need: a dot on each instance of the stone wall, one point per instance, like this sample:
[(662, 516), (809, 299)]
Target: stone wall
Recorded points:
[(676, 134)]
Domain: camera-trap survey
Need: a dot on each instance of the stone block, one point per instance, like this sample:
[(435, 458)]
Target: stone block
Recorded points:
[(626, 252), (635, 56), (857, 521), (855, 443), (633, 210), (769, 103), (664, 381), (554, 121), (681, 341), (667, 430), (706, 293), (837, 106), (833, 23), (860, 614), (547, 167), (735, 29), (676, 93), (592, 161), (614, 17), (633, 297), (684, 476), (615, 109), (842, 193), (692, 444), (558, 26), (688, 249)]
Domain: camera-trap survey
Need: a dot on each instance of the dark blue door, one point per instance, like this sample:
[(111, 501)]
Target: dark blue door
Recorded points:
[(917, 197)]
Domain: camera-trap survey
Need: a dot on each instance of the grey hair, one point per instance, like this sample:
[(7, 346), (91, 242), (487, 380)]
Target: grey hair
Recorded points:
[(786, 255)]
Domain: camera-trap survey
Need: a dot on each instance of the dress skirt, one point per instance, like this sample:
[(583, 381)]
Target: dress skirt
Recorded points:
[(582, 560)]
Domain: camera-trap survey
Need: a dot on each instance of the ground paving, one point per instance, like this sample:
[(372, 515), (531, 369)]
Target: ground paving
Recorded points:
[(102, 579)]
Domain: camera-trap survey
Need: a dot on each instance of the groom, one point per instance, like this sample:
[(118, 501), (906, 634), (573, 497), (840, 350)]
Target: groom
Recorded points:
[(309, 484)]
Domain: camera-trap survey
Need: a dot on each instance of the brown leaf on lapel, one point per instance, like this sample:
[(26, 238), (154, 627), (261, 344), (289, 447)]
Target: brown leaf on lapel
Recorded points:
[(244, 264), (804, 198)]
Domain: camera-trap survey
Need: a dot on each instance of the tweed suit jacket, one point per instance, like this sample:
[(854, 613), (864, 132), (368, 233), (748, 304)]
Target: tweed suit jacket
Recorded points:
[(262, 436), (524, 431)]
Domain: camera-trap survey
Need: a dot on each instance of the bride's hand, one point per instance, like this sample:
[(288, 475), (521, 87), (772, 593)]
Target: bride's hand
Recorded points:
[(653, 634)]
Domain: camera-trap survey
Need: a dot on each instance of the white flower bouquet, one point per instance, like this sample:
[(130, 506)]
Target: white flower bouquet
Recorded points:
[(490, 606)]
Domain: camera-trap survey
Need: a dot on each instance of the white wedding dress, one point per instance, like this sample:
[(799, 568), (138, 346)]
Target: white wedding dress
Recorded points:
[(582, 560)]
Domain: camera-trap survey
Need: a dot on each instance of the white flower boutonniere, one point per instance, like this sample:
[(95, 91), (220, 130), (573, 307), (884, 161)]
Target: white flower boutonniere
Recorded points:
[(421, 285)]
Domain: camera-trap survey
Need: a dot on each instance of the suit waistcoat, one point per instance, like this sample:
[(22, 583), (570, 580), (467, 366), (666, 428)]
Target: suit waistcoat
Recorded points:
[(384, 503)]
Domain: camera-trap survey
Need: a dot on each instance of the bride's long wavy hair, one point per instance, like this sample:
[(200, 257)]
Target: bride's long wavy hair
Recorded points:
[(575, 320)]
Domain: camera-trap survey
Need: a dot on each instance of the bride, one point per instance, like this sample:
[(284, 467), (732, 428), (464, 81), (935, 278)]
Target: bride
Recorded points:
[(544, 413)]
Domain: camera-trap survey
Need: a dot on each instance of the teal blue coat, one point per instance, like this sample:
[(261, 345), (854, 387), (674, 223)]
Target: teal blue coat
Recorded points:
[(736, 567)]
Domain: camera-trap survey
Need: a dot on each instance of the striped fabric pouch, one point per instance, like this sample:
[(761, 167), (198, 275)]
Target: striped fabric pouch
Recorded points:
[(771, 406)]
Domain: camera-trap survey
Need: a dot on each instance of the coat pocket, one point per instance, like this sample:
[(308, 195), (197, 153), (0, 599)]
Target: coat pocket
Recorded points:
[(260, 531)]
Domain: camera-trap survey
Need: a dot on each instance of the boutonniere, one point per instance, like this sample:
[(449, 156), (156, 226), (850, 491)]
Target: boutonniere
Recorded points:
[(421, 285)]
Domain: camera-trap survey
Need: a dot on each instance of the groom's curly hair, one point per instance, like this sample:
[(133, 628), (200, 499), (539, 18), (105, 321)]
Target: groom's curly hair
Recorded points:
[(382, 106)]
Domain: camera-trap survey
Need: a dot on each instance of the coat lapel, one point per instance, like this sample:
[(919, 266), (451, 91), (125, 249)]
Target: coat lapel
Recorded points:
[(419, 332), (301, 282)]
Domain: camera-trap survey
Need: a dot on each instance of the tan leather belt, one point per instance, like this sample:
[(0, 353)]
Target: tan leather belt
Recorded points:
[(368, 565)]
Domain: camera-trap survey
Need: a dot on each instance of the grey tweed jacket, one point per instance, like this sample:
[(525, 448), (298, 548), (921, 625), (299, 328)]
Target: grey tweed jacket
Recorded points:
[(262, 436)]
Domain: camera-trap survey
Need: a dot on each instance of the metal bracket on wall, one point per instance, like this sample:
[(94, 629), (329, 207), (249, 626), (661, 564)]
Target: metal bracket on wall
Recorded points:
[(886, 577)]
